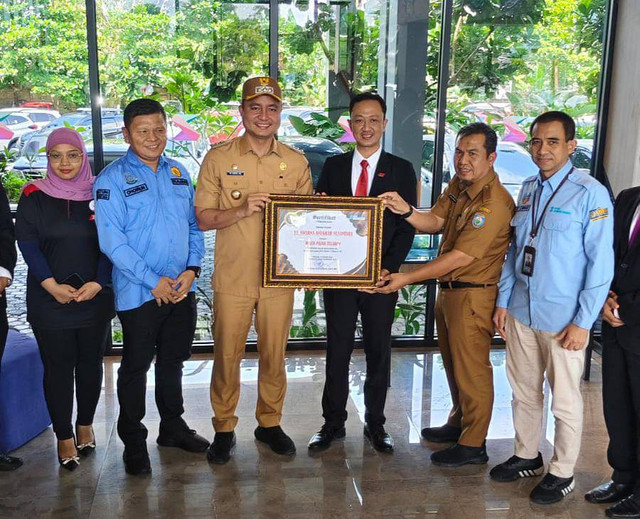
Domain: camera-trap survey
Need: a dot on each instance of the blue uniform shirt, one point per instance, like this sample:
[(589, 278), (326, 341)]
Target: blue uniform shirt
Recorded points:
[(574, 253), (146, 225)]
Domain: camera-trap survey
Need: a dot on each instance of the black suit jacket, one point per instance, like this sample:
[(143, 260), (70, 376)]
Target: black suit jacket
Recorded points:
[(7, 239), (392, 174), (626, 279)]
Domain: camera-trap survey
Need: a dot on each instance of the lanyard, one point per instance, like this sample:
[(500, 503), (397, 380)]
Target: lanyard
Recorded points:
[(535, 226)]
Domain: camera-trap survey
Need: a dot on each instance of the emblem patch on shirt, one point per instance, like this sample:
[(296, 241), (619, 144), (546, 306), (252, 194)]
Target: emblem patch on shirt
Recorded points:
[(599, 214), (135, 190), (283, 166), (175, 171), (103, 194), (130, 179), (484, 209), (478, 220), (179, 181), (235, 173), (526, 199)]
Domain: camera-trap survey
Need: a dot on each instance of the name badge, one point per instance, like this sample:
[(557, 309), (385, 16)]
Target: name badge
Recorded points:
[(179, 181), (529, 260), (135, 190), (235, 173)]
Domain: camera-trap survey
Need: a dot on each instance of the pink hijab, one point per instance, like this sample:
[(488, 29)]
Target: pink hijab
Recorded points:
[(78, 188)]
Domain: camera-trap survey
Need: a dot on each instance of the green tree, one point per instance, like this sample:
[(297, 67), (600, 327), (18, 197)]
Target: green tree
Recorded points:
[(44, 50)]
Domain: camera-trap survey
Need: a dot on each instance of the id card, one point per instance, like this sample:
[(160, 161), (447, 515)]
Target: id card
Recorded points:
[(529, 260)]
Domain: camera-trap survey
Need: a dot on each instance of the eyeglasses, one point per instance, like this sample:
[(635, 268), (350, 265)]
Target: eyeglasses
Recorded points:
[(156, 132), (72, 156)]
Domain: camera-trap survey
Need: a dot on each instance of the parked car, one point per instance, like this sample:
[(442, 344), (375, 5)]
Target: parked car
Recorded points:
[(15, 122), (581, 157), (315, 149), (513, 165), (32, 160)]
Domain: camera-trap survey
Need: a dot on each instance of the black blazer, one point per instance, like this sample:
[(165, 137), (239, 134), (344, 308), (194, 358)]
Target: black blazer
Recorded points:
[(8, 253), (392, 174), (626, 279)]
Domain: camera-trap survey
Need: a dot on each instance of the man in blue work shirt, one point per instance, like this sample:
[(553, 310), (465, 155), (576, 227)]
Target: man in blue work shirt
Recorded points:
[(554, 282), (147, 227)]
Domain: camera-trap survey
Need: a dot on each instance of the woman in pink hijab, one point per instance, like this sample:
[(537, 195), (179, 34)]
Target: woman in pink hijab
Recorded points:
[(69, 300)]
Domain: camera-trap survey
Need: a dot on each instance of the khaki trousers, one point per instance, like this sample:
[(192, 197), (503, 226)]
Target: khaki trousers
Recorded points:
[(465, 329), (233, 316), (530, 354)]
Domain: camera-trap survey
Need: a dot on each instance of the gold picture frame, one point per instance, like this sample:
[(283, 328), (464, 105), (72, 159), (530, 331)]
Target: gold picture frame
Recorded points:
[(322, 241)]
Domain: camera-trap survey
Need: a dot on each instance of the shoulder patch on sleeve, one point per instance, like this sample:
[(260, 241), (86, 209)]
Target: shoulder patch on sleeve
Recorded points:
[(30, 188), (599, 213), (478, 220), (103, 194)]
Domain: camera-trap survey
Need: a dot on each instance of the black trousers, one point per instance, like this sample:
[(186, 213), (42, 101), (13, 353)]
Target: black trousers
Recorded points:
[(621, 402), (377, 311), (68, 356), (164, 331), (4, 327)]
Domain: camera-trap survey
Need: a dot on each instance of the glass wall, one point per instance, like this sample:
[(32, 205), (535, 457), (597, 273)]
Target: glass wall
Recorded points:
[(440, 64)]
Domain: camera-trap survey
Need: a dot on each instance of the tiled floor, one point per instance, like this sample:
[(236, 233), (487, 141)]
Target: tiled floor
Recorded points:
[(348, 480)]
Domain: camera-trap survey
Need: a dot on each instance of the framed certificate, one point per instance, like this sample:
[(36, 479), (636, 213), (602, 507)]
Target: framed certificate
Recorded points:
[(322, 241)]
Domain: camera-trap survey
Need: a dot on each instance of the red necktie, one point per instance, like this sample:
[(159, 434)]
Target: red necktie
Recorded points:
[(363, 180)]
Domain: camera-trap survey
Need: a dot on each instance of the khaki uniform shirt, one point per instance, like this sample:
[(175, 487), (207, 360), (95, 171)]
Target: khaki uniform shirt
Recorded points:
[(477, 222), (233, 166)]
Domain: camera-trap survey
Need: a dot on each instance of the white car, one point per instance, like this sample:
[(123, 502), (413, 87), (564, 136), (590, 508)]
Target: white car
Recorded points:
[(18, 121)]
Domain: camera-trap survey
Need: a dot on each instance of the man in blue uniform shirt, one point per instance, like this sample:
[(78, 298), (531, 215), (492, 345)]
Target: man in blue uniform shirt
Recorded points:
[(147, 227), (555, 279)]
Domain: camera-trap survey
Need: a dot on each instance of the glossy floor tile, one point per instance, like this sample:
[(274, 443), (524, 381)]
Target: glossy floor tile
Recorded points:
[(348, 480)]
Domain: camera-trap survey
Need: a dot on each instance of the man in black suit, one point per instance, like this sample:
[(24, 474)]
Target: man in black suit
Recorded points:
[(7, 264), (367, 171), (621, 364)]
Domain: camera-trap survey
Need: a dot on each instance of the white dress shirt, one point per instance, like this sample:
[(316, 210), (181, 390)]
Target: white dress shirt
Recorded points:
[(356, 168)]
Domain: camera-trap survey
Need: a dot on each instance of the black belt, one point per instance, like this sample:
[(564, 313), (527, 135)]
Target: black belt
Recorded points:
[(462, 284)]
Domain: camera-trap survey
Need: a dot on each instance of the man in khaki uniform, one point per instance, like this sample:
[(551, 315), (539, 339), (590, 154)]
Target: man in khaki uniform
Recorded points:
[(473, 215), (234, 184)]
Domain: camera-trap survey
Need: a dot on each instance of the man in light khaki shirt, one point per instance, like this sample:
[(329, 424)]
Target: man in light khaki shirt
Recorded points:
[(234, 184)]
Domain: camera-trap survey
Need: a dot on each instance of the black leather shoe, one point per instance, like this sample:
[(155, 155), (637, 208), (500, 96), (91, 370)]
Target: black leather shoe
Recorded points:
[(9, 463), (379, 438), (458, 455), (276, 439), (220, 450), (323, 438), (444, 434), (625, 509), (187, 440), (136, 460), (610, 492)]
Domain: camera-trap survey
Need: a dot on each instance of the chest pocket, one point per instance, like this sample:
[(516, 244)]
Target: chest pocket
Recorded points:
[(138, 197), (180, 188), (556, 223), (463, 218), (284, 185), (231, 182)]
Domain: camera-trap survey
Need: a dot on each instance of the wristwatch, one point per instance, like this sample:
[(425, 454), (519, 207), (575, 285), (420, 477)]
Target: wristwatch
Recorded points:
[(195, 270), (408, 213)]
